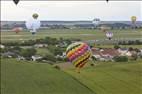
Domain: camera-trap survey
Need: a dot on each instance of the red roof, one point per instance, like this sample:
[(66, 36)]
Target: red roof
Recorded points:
[(106, 51)]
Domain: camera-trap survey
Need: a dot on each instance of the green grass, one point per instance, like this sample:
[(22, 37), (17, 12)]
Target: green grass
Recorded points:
[(112, 78), (21, 77), (84, 34)]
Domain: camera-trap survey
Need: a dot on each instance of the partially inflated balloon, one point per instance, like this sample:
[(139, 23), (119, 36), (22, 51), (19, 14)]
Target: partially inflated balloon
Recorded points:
[(109, 35), (17, 29), (78, 53)]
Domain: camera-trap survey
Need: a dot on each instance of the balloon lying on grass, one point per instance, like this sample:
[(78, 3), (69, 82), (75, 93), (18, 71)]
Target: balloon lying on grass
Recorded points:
[(33, 24), (78, 54), (109, 35), (17, 29)]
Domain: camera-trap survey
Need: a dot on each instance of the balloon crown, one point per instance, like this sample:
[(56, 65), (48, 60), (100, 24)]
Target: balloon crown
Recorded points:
[(35, 15)]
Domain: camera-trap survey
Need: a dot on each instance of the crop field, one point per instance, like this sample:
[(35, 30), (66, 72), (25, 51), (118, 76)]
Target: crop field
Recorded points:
[(84, 34), (27, 77), (22, 77), (111, 78)]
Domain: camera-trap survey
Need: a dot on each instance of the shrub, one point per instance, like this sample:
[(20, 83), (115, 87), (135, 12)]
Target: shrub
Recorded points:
[(28, 52), (91, 64), (116, 46), (49, 57), (56, 67), (120, 59)]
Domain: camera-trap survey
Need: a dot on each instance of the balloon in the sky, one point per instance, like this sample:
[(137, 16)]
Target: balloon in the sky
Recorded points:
[(78, 53), (133, 19), (109, 35), (17, 29), (96, 21), (33, 24), (35, 15)]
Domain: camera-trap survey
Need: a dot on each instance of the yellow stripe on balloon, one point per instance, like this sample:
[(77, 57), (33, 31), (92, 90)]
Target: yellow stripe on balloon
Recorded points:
[(82, 58), (74, 50)]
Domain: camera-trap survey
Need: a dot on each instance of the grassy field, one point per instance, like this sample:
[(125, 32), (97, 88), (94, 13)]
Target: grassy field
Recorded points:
[(32, 78), (84, 34), (112, 78), (20, 77)]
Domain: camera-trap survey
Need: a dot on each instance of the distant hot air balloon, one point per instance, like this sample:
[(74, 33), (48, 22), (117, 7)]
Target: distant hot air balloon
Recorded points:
[(96, 22), (133, 19), (78, 54), (33, 24), (109, 35), (17, 29)]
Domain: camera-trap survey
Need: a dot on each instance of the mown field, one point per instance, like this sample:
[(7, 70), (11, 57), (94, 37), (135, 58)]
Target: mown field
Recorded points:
[(112, 78), (20, 77), (84, 34)]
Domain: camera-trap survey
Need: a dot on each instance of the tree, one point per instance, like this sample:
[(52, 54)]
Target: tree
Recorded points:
[(116, 46), (27, 53), (49, 57), (120, 59)]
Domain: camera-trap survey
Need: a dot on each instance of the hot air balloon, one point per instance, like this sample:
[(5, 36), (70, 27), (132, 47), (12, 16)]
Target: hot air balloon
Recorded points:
[(96, 22), (78, 54), (133, 19), (33, 24), (109, 35), (17, 29)]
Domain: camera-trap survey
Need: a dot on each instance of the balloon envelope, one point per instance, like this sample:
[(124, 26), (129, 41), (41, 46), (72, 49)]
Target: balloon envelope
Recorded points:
[(35, 15), (109, 34), (33, 24), (133, 18), (96, 21), (17, 29), (78, 53)]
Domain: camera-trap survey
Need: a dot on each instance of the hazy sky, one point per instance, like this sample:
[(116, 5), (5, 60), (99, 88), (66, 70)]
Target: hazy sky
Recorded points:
[(72, 10)]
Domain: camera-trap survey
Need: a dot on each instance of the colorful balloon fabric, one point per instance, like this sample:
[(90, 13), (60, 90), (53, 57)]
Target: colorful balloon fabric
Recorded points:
[(78, 53)]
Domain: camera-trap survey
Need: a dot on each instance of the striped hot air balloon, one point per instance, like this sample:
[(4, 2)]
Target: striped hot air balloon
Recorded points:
[(78, 53)]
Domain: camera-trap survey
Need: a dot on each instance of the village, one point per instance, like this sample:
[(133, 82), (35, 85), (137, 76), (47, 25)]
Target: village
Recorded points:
[(55, 48)]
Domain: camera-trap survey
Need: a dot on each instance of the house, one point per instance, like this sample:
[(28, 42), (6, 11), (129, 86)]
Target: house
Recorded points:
[(2, 46), (123, 51), (40, 45), (61, 56), (36, 57), (105, 54), (20, 58), (9, 54)]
